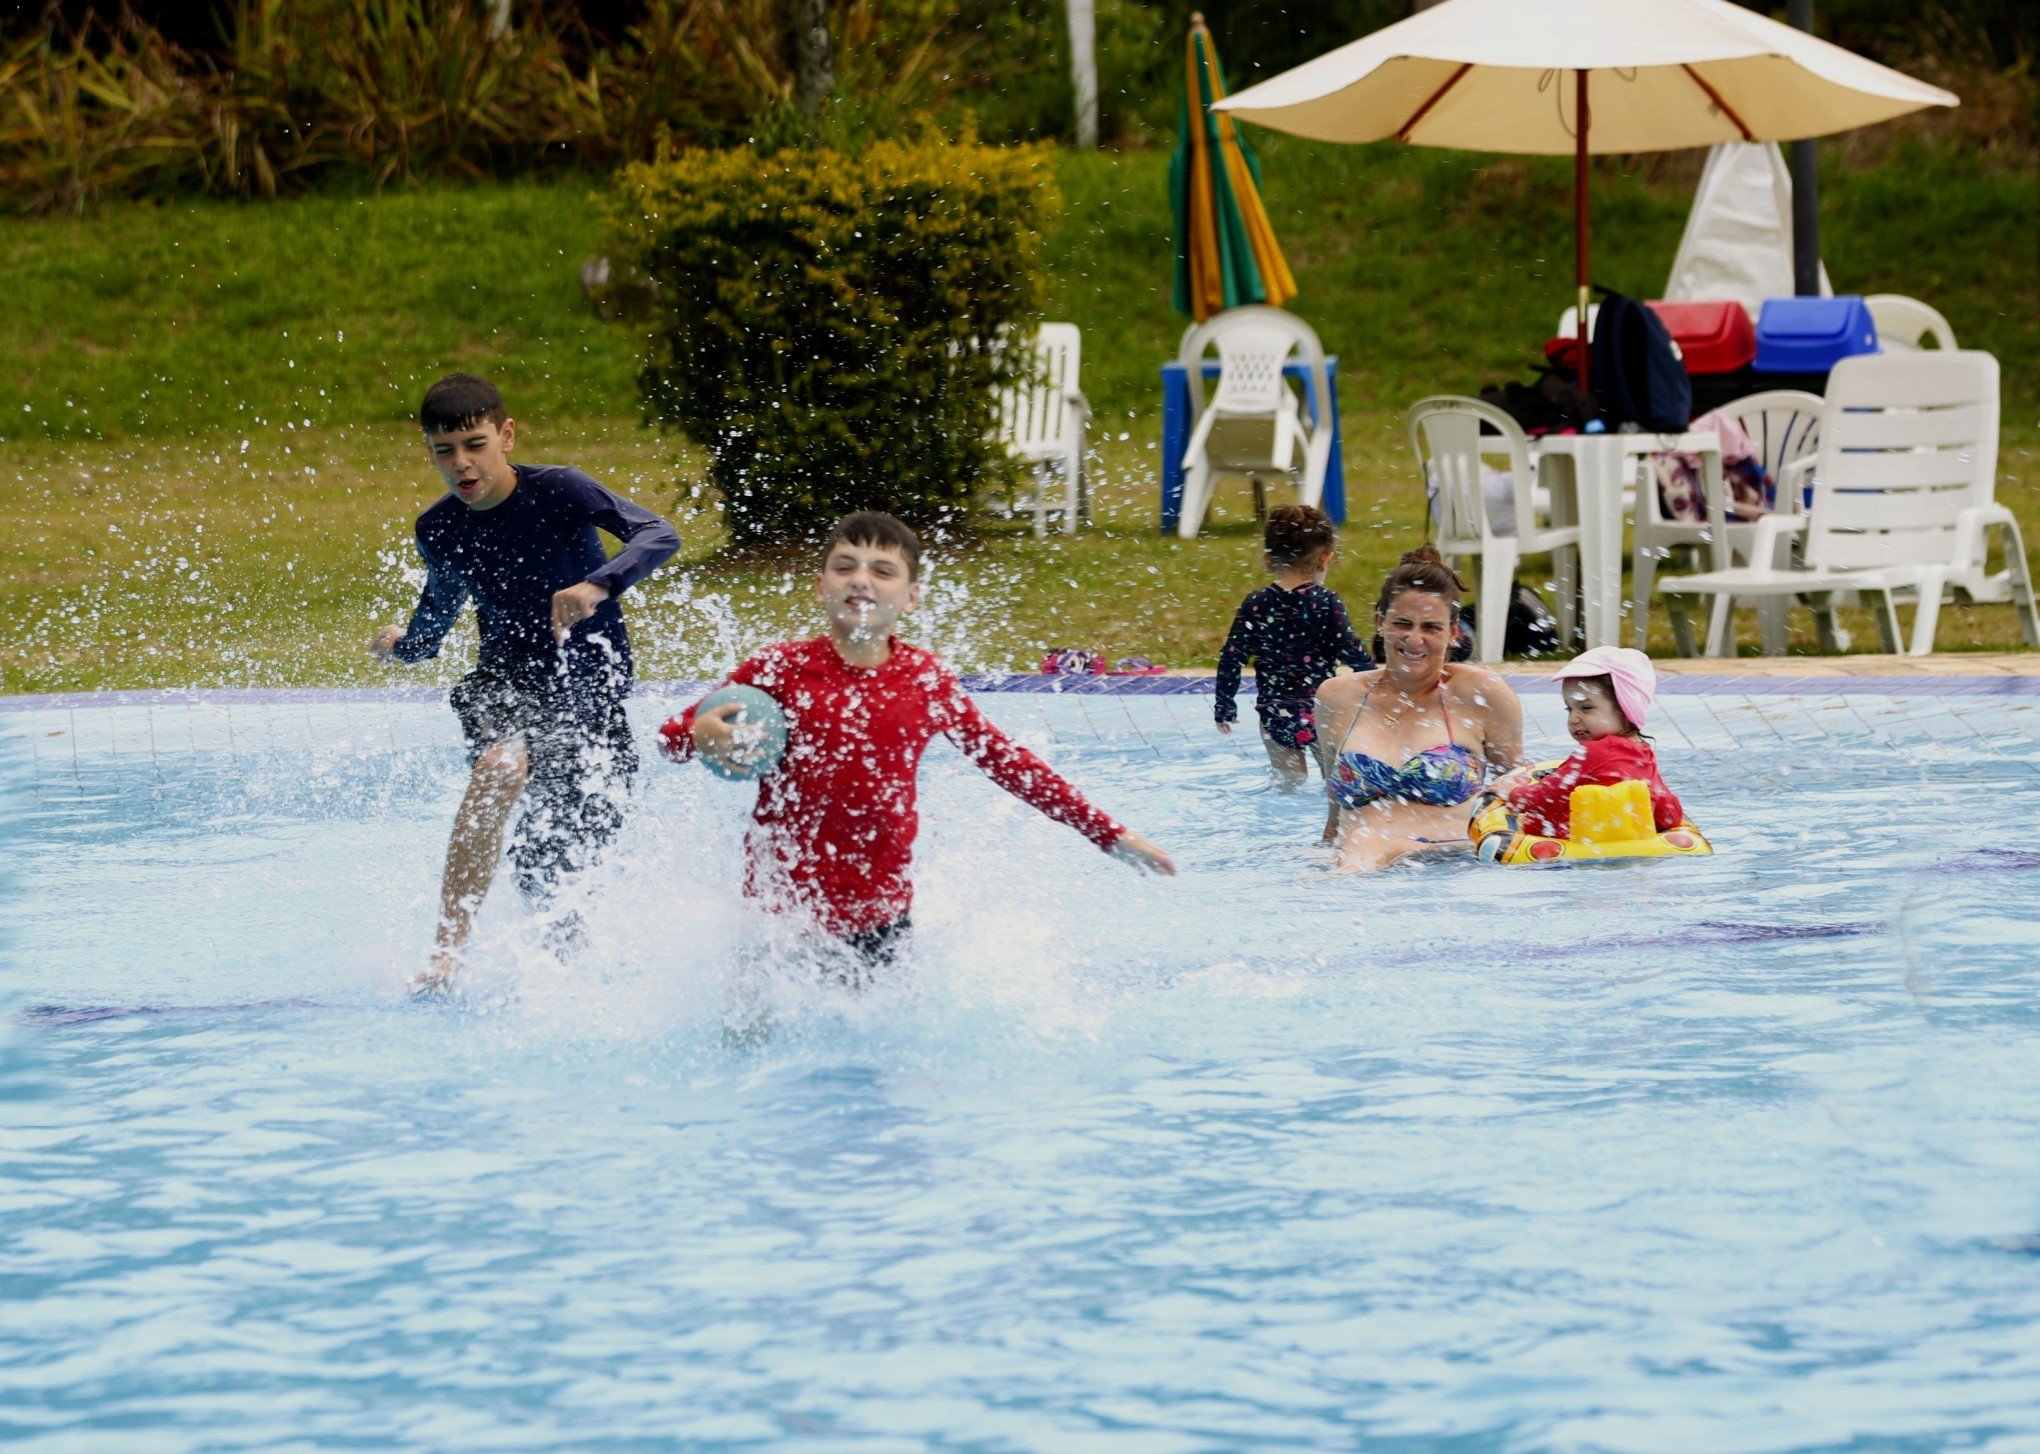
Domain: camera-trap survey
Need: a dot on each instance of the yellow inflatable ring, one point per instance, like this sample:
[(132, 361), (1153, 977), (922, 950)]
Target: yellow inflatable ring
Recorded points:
[(1499, 836)]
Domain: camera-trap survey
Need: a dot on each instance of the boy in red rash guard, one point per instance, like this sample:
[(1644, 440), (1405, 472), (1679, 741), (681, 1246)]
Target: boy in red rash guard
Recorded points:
[(836, 819), (1608, 695)]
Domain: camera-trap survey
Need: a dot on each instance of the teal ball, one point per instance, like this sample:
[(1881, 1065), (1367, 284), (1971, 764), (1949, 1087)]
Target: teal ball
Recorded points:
[(762, 716)]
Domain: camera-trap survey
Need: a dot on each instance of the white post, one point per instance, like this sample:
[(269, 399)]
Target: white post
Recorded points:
[(499, 18), (1083, 17)]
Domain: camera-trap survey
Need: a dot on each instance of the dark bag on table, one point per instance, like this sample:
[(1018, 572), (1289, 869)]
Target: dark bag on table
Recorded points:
[(1636, 370), (1547, 404)]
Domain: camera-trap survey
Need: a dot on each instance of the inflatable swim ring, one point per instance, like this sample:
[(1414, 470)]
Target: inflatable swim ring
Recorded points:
[(1609, 822)]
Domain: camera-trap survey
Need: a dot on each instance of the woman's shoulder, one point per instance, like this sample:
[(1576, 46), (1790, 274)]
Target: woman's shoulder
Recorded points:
[(1474, 686), (1345, 690)]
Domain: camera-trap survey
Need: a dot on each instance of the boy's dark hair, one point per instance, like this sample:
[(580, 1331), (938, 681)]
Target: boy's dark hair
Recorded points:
[(876, 528), (460, 401), (1295, 533)]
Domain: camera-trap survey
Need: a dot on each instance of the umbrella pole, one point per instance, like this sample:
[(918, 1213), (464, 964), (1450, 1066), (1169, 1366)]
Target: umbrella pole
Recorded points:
[(1580, 218)]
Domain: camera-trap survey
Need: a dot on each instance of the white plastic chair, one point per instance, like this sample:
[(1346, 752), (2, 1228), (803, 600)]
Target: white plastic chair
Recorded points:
[(1569, 321), (1784, 428), (1042, 420), (1445, 432), (1907, 324), (1254, 425), (1904, 485)]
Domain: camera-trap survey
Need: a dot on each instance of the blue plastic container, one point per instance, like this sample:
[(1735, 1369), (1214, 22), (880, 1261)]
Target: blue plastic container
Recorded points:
[(1812, 335)]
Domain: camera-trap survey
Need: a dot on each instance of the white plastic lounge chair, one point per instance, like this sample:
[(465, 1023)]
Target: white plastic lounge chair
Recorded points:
[(1569, 321), (1445, 432), (1907, 324), (1042, 421), (1904, 482), (1254, 425), (1784, 428)]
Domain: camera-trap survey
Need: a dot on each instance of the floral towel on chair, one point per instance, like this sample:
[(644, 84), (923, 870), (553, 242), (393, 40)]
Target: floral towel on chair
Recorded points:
[(1682, 493)]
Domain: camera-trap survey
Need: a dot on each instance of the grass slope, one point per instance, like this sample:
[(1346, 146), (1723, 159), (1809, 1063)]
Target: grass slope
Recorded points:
[(206, 474)]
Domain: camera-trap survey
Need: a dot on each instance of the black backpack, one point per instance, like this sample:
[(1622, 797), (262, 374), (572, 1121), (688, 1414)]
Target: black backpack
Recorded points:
[(1532, 630), (1637, 374)]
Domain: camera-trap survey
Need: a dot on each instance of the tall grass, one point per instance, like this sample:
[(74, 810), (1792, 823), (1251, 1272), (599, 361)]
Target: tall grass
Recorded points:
[(383, 91)]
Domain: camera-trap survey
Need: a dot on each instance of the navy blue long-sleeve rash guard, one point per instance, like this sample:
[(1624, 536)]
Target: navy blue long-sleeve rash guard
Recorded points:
[(513, 557), (1295, 640)]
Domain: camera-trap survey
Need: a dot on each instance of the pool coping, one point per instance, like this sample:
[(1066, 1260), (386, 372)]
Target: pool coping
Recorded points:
[(1999, 674)]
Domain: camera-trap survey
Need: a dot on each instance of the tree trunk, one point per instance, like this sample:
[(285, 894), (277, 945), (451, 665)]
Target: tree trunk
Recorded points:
[(814, 60), (1083, 18)]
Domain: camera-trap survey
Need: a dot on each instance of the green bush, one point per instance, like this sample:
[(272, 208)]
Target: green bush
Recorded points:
[(821, 318)]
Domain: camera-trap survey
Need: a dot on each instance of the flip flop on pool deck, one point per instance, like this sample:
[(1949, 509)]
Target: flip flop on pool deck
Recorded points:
[(542, 711)]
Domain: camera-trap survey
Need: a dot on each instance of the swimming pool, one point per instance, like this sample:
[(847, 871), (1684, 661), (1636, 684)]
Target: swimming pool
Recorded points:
[(1728, 1154)]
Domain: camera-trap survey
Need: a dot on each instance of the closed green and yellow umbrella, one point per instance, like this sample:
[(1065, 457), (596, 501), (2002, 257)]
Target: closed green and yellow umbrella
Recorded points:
[(1226, 253)]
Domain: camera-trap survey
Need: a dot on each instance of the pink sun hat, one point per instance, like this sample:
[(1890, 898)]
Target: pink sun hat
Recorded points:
[(1634, 678)]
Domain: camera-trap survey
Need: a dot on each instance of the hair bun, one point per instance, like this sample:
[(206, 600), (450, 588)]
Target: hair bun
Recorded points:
[(1422, 569)]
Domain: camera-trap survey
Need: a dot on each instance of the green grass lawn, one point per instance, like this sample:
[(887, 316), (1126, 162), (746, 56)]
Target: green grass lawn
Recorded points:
[(207, 477)]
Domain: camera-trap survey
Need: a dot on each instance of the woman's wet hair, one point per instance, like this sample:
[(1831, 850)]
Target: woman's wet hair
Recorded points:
[(1295, 533), (1422, 569)]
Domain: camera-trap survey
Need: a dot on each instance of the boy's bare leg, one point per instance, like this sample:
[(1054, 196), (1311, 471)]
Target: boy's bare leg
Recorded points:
[(1291, 764), (473, 850)]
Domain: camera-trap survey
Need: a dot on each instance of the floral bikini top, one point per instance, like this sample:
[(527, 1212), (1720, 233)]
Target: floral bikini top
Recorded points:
[(1443, 776)]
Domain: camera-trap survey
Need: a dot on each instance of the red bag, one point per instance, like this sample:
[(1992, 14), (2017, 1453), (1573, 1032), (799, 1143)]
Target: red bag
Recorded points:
[(1713, 337)]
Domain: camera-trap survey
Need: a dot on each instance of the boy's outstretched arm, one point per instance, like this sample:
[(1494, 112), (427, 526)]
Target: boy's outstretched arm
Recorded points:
[(1035, 783), (649, 541), (439, 602)]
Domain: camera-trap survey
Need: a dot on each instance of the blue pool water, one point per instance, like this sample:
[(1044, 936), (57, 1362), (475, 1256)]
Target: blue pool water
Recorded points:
[(1735, 1154)]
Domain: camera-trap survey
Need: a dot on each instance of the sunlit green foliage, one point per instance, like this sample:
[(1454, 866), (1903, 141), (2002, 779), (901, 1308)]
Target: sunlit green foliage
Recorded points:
[(821, 320)]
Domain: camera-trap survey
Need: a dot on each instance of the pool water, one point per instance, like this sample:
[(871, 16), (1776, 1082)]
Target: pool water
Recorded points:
[(1728, 1154)]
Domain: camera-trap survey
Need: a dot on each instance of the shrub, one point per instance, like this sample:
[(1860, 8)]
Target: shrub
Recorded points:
[(821, 319)]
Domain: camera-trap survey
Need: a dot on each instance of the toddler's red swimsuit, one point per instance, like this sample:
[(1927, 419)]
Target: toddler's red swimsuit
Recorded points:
[(1546, 805), (836, 820)]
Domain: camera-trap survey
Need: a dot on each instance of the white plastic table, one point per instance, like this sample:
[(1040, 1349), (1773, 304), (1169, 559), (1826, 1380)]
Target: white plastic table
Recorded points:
[(1599, 464)]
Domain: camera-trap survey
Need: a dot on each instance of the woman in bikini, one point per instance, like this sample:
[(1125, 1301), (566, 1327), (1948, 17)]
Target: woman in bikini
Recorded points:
[(1406, 748)]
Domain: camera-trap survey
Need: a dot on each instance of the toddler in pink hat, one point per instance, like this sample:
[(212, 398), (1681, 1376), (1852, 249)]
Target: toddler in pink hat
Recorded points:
[(1608, 696)]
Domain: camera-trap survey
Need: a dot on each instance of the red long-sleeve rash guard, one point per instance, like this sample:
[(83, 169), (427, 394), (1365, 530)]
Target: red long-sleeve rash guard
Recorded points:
[(1546, 805), (836, 820)]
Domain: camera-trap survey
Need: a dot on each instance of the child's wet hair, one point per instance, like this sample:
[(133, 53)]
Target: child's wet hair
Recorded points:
[(460, 401), (1606, 686), (876, 528), (1603, 684), (1294, 533)]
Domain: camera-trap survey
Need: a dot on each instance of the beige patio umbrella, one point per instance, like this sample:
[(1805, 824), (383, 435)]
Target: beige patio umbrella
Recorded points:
[(1548, 77)]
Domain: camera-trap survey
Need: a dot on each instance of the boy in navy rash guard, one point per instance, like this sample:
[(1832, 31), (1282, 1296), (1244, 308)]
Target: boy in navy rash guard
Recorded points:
[(1295, 632), (542, 711)]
